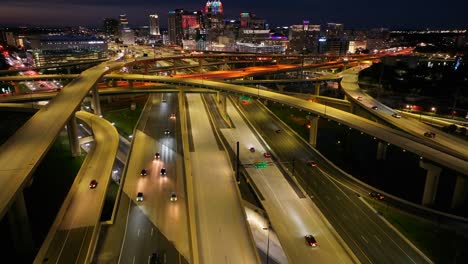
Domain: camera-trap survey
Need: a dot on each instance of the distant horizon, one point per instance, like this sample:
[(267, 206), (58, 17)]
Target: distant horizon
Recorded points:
[(397, 15), (94, 26)]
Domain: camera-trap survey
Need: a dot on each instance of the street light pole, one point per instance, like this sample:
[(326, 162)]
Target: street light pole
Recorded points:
[(268, 242)]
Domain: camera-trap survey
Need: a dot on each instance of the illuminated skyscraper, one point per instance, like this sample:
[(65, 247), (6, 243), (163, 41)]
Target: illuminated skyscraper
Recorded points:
[(214, 7), (123, 22), (154, 25)]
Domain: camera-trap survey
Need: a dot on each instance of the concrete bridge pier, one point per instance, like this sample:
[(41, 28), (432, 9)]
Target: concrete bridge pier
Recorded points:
[(96, 104), (20, 229), (317, 88), (72, 131), (68, 70), (222, 103), (130, 83), (460, 192), (381, 151), (200, 65), (146, 68), (313, 130), (432, 182)]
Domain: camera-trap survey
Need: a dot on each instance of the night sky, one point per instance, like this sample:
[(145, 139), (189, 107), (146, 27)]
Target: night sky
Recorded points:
[(396, 14)]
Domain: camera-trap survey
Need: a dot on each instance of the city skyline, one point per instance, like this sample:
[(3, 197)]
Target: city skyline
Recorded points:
[(414, 15)]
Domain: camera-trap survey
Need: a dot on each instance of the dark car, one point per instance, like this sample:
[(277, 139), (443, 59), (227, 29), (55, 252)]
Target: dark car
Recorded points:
[(396, 115), (163, 171), (313, 164), (139, 197), (375, 107), (157, 156), (144, 172), (173, 197), (252, 149), (310, 240), (167, 132), (376, 195), (93, 184), (267, 155), (429, 134)]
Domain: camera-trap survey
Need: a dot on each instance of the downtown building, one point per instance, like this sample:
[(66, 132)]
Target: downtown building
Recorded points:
[(154, 25)]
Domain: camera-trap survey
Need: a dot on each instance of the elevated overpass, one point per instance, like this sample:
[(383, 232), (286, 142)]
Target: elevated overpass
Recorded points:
[(392, 136), (29, 147), (64, 65), (442, 141)]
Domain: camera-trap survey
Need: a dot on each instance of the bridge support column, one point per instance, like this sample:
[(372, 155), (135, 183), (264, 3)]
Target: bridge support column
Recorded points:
[(222, 104), (130, 83), (432, 182), (19, 227), (459, 192), (68, 70), (381, 151), (146, 68), (225, 65), (72, 131), (317, 89), (313, 130), (96, 104), (200, 65)]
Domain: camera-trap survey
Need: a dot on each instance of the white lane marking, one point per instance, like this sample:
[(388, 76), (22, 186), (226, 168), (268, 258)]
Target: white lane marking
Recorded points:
[(149, 259), (152, 229), (364, 239), (377, 239), (126, 227), (138, 233), (133, 262)]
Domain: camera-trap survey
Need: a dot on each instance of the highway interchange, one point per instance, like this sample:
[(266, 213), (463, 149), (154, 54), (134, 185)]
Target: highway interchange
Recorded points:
[(374, 243)]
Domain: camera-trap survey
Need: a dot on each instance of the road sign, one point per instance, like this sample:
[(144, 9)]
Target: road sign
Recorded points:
[(260, 165)]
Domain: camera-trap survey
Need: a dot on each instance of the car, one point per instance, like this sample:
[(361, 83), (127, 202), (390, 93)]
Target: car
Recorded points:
[(164, 99), (167, 132), (139, 197), (107, 68), (278, 131), (173, 197), (313, 164), (396, 115), (172, 116), (359, 98), (376, 196), (252, 149), (429, 134), (92, 184), (310, 240), (163, 171), (267, 155), (375, 107), (157, 155), (144, 172)]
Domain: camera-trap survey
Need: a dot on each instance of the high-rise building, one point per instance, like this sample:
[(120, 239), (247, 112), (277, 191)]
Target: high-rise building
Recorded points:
[(123, 22), (154, 25), (214, 15), (250, 21), (111, 26), (214, 7), (304, 38), (334, 30), (183, 25)]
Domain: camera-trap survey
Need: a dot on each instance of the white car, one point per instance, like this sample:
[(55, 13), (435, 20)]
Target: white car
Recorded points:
[(139, 197)]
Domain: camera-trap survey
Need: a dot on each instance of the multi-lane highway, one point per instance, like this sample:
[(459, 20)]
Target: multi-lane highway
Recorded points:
[(69, 238), (223, 233), (370, 238), (292, 215)]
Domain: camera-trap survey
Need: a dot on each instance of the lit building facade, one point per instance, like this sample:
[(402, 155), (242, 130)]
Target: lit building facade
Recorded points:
[(154, 25)]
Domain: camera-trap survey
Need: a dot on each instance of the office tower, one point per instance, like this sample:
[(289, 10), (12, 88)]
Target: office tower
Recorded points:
[(334, 30), (154, 25), (111, 26)]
